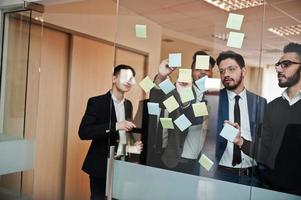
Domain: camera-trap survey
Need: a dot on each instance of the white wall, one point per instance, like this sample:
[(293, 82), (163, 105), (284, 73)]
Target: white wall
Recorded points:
[(270, 88)]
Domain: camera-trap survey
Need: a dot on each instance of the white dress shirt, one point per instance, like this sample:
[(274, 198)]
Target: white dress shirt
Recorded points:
[(196, 135), (292, 101), (120, 116), (227, 157)]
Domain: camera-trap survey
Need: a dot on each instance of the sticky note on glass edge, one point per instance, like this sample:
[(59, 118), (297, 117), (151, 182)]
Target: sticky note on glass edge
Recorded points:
[(234, 21), (175, 60), (206, 162), (153, 108), (212, 83), (146, 84), (200, 109), (201, 84), (167, 123), (235, 39), (167, 86), (171, 104), (202, 62), (182, 122), (140, 31), (229, 132), (186, 94), (185, 75)]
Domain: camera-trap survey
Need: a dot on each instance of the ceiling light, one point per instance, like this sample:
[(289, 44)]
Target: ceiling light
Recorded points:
[(286, 30), (230, 5)]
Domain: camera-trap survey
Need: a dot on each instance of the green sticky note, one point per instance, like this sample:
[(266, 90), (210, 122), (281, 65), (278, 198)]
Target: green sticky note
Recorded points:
[(200, 109), (206, 162), (141, 31), (171, 104), (186, 94), (146, 84), (235, 39), (167, 123), (202, 62), (185, 75), (234, 21)]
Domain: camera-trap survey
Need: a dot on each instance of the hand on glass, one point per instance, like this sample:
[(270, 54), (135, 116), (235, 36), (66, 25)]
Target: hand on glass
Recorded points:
[(125, 125)]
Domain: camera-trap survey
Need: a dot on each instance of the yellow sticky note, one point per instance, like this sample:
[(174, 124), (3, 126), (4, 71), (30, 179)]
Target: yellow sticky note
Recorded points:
[(146, 84), (185, 75), (234, 21), (186, 94), (167, 123), (141, 31), (171, 104), (200, 109), (206, 162), (235, 39), (202, 62)]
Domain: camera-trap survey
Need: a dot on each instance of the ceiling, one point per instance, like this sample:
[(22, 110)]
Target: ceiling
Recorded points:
[(202, 20)]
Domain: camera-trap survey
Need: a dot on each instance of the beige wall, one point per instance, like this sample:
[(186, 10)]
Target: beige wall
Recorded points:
[(98, 18)]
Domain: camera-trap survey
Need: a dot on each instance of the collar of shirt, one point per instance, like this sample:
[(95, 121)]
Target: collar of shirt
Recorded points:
[(292, 101), (116, 100), (231, 95)]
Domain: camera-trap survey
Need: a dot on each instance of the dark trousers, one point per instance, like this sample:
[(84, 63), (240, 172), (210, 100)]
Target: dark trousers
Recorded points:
[(97, 188)]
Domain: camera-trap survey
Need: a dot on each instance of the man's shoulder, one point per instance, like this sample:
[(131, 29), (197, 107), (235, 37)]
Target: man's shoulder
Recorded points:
[(256, 95), (276, 101), (100, 97)]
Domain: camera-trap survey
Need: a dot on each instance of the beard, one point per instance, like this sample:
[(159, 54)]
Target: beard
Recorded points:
[(291, 81), (233, 87)]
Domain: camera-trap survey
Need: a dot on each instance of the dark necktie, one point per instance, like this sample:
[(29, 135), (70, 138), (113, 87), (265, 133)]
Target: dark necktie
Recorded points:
[(236, 150)]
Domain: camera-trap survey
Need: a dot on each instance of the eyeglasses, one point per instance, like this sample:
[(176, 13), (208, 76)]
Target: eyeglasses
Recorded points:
[(231, 69), (285, 64)]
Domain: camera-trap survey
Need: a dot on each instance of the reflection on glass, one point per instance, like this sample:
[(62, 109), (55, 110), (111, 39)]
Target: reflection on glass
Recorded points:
[(243, 48)]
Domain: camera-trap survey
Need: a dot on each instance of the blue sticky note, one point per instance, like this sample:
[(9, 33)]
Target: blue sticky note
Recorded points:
[(167, 86), (201, 84), (175, 60), (229, 132), (182, 122), (153, 108)]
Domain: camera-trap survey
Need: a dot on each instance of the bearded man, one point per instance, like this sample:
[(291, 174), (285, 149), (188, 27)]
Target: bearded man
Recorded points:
[(280, 145), (243, 110)]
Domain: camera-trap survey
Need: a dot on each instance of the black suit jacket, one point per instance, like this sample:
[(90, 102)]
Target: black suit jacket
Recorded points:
[(99, 125)]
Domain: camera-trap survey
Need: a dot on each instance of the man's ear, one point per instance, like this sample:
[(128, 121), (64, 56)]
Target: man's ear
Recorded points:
[(244, 71), (114, 79)]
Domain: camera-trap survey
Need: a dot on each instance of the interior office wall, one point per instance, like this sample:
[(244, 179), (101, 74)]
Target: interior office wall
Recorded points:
[(97, 18), (90, 75), (51, 131)]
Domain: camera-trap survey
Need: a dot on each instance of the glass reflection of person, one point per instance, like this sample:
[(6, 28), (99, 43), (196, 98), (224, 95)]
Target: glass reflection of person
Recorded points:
[(181, 150), (106, 123), (281, 136), (242, 109)]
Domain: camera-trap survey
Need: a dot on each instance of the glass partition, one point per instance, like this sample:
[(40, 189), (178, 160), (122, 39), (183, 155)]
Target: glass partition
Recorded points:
[(198, 55), (20, 66)]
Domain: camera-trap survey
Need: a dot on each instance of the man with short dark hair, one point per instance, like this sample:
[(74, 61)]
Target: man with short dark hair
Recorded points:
[(281, 137), (106, 122), (241, 109)]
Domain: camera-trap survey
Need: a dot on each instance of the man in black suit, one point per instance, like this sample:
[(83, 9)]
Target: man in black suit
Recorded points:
[(106, 122)]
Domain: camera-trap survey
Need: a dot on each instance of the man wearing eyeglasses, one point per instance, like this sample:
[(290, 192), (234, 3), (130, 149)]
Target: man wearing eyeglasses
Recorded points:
[(281, 137), (239, 108)]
